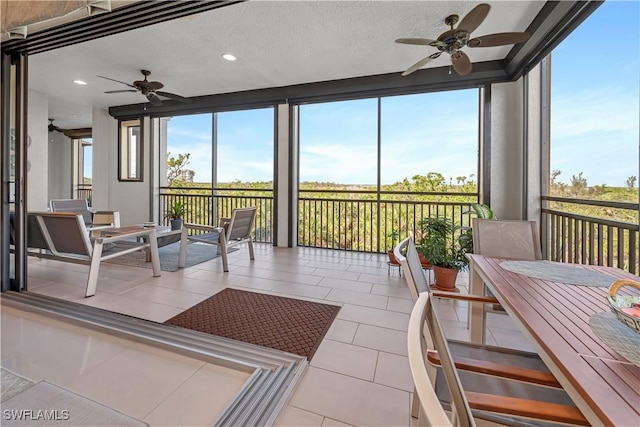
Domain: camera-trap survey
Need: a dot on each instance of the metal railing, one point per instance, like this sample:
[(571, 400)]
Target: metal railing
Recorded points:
[(202, 203), (570, 235), (84, 192), (363, 220)]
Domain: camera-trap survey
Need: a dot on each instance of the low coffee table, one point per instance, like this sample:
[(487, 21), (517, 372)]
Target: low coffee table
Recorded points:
[(164, 234)]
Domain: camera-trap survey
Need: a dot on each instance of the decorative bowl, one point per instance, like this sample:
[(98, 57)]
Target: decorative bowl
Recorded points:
[(626, 308)]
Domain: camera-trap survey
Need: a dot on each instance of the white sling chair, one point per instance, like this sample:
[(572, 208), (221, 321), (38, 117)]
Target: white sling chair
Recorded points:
[(63, 236), (231, 232)]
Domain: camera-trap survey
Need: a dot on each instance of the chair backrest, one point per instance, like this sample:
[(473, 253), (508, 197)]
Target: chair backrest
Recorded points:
[(424, 332), (407, 255), (65, 233), (35, 237), (241, 223), (506, 239), (72, 205)]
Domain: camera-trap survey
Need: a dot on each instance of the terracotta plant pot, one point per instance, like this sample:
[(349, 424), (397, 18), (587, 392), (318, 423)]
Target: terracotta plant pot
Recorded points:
[(445, 279), (392, 258), (425, 263)]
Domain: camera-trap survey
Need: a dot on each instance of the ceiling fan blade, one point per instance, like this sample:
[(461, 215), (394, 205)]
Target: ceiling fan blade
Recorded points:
[(121, 91), (461, 63), (153, 99), (474, 18), (117, 81), (420, 63), (421, 42), (173, 96), (498, 39)]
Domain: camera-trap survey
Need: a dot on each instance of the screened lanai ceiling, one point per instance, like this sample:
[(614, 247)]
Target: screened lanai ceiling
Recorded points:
[(277, 43)]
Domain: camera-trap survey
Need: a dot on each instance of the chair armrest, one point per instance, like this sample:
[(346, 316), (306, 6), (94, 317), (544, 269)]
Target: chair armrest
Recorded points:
[(535, 409), (127, 236), (201, 227), (465, 297), (499, 370)]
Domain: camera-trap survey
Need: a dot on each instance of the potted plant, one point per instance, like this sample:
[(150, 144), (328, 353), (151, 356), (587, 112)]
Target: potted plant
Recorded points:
[(445, 246), (394, 238), (174, 213)]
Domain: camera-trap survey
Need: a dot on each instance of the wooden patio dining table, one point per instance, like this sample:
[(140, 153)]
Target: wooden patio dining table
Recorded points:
[(554, 316)]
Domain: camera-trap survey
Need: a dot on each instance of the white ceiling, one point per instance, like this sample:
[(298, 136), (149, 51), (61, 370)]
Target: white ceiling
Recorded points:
[(278, 43)]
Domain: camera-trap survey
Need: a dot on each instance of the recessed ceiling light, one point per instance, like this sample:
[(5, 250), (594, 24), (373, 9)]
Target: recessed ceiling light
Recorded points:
[(80, 82), (229, 57)]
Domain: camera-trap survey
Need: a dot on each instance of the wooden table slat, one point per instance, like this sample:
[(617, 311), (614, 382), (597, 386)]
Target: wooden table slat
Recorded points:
[(556, 316)]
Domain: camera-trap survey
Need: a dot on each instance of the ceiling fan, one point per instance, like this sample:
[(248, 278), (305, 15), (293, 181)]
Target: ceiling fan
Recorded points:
[(54, 128), (149, 89), (453, 40)]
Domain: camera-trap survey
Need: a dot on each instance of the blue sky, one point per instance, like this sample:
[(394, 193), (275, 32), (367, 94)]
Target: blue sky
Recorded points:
[(594, 124)]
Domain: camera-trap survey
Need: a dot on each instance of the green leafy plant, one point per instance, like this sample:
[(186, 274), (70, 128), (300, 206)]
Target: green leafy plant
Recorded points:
[(176, 210), (480, 210), (465, 239), (441, 243)]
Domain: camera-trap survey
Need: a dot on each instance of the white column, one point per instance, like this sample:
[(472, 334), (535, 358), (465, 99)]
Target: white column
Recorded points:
[(506, 149), (287, 167), (38, 152)]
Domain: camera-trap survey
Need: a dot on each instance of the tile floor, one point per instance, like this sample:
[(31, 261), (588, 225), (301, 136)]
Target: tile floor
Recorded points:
[(359, 375)]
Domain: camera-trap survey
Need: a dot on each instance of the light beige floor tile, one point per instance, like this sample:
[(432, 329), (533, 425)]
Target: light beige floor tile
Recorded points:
[(346, 359), (252, 283), (374, 316), (348, 285), (291, 416), (59, 290), (384, 339), (166, 296), (393, 371), (334, 265), (301, 290), (351, 400), (303, 279), (328, 422), (102, 300), (401, 305), (136, 380), (369, 270), (146, 310), (455, 330), (68, 356), (191, 285), (510, 339), (292, 268), (391, 291), (381, 279), (357, 298), (344, 275), (341, 330), (200, 400)]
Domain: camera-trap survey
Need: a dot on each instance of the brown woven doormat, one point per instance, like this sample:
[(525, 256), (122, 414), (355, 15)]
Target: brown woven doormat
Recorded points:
[(286, 324)]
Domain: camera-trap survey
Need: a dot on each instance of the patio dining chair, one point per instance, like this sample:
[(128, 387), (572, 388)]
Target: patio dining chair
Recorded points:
[(231, 232), (93, 220), (505, 239), (494, 361), (470, 396)]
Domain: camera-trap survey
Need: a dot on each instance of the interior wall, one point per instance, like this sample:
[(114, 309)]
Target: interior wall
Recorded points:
[(60, 166), (38, 152), (506, 150), (131, 199)]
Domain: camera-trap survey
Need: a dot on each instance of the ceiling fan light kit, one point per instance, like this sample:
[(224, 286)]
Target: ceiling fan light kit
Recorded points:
[(454, 39), (151, 90)]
